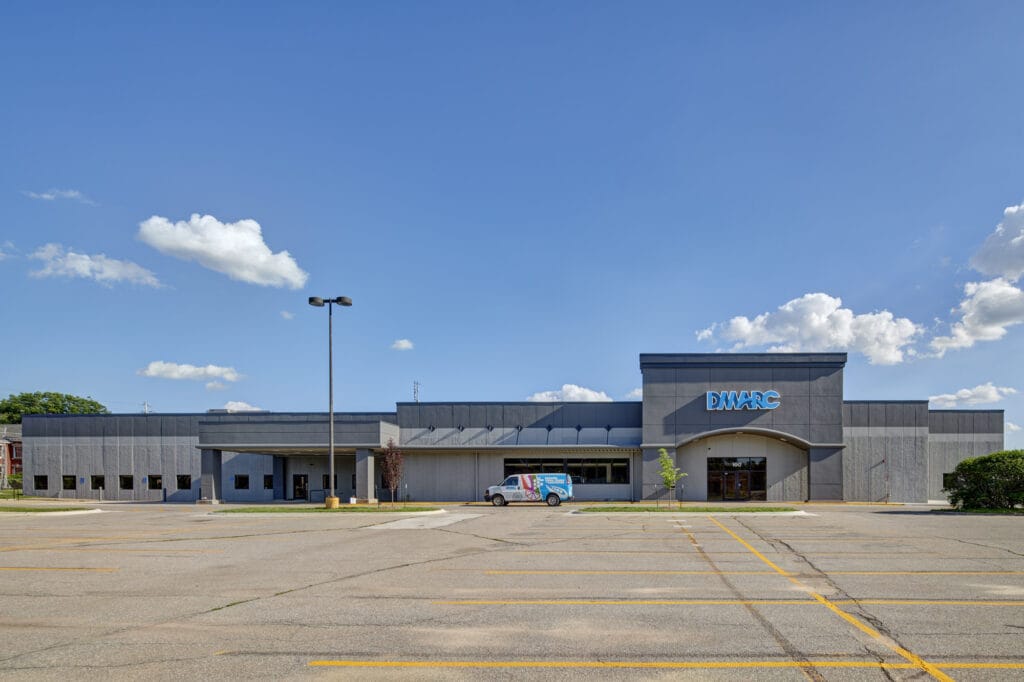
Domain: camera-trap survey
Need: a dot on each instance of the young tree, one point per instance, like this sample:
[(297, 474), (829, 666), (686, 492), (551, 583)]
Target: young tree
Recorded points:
[(392, 468), (49, 402), (670, 475)]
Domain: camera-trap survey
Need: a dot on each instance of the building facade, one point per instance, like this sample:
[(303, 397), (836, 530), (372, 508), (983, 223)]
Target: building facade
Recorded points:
[(757, 426)]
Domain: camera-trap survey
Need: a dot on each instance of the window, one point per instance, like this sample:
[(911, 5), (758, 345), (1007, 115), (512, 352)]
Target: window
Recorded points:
[(156, 481), (241, 482), (948, 481), (40, 482), (268, 481), (184, 482), (67, 482), (327, 480), (594, 471), (99, 482), (126, 482)]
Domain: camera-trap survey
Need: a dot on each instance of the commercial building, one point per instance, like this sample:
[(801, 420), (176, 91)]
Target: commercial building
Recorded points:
[(758, 426)]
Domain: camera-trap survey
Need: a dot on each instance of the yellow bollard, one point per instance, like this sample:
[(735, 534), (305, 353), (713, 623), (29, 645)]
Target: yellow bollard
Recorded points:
[(331, 503)]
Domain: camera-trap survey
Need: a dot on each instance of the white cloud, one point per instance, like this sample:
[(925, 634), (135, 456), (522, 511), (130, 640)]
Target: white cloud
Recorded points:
[(234, 249), (1011, 427), (635, 394), (402, 344), (239, 406), (53, 194), (287, 315), (1002, 254), (215, 386), (982, 394), (570, 393), (60, 263), (5, 250), (173, 370), (985, 313), (818, 322)]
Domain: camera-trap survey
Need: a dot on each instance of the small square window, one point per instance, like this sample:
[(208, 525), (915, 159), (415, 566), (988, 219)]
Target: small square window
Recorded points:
[(126, 482), (99, 482), (67, 482), (268, 481), (156, 481), (948, 481), (41, 482), (241, 482), (184, 482)]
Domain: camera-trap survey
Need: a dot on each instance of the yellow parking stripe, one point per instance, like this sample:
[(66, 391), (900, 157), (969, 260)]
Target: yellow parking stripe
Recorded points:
[(930, 602), (609, 664), (623, 602), (628, 572), (657, 664), (871, 632)]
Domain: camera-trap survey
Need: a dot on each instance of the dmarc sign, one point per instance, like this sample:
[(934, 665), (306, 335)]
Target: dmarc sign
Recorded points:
[(743, 400)]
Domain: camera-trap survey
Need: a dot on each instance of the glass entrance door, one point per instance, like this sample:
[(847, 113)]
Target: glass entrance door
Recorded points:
[(737, 478), (300, 486)]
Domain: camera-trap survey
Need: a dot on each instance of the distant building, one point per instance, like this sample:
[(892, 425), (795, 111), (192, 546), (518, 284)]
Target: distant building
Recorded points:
[(753, 426), (10, 450)]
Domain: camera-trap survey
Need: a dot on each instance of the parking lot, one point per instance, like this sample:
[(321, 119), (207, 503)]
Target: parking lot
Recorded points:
[(524, 592)]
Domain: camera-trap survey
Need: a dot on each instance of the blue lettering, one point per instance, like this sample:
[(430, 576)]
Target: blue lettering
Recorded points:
[(743, 400)]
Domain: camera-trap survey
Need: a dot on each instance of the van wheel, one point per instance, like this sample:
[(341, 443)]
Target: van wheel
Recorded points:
[(553, 500), (498, 501)]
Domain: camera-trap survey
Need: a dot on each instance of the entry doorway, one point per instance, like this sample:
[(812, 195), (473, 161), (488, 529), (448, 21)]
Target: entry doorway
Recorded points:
[(737, 479), (300, 486)]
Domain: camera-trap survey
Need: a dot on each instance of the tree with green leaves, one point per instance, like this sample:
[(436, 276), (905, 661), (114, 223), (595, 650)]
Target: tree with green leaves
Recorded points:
[(14, 406), (670, 474), (392, 467)]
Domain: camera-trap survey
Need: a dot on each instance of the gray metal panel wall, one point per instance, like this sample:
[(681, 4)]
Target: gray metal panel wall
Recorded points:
[(885, 458), (956, 435), (519, 424), (675, 388)]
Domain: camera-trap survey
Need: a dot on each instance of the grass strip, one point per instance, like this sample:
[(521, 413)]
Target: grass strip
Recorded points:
[(39, 510), (689, 510), (996, 512), (323, 510)]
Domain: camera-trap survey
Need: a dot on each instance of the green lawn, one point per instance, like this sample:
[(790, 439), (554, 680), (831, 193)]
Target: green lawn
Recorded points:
[(317, 510), (997, 512), (38, 510), (688, 510)]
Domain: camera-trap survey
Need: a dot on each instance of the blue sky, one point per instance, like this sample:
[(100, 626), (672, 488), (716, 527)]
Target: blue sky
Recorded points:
[(528, 194)]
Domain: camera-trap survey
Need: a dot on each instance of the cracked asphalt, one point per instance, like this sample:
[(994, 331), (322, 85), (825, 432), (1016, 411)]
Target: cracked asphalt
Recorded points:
[(522, 592)]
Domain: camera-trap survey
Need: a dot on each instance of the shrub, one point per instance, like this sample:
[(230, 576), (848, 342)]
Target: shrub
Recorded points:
[(993, 481)]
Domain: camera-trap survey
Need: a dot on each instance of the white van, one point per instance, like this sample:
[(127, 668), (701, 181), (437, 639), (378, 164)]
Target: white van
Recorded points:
[(551, 488)]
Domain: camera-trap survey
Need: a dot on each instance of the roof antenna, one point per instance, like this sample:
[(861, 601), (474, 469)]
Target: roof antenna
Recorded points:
[(415, 391), (145, 407)]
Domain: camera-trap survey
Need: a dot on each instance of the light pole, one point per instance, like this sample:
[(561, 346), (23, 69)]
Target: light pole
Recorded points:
[(331, 502)]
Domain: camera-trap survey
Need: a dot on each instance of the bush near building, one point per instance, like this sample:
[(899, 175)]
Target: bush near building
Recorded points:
[(993, 481)]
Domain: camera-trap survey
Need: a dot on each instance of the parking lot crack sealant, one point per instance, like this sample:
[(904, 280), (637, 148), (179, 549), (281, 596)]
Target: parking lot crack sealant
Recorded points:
[(849, 618)]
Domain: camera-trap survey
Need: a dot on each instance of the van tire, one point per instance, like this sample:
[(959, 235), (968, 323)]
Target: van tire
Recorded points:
[(498, 501), (553, 500)]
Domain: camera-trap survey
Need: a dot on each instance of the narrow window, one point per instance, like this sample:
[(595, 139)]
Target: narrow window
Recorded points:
[(99, 482), (268, 481), (327, 480), (241, 482), (67, 482), (156, 481), (126, 482), (184, 482), (41, 482)]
